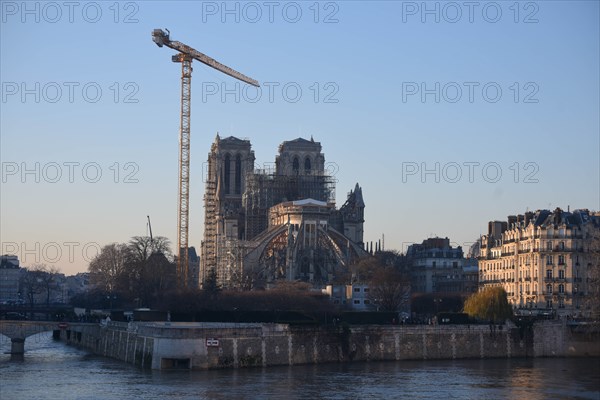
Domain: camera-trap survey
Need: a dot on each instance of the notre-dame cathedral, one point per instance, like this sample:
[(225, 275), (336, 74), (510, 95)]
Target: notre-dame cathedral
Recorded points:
[(279, 223)]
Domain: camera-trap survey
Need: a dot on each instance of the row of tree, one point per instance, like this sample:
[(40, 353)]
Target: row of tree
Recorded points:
[(137, 273), (142, 273), (38, 281)]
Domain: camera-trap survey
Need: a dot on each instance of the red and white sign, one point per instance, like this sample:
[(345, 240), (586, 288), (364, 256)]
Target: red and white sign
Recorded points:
[(63, 325), (212, 342)]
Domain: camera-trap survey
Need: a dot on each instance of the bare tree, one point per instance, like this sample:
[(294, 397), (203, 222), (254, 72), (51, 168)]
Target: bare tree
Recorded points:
[(389, 288), (150, 267), (32, 282), (48, 278), (142, 247), (109, 266), (389, 284)]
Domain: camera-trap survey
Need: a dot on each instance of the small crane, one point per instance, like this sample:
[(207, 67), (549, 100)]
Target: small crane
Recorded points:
[(150, 229), (185, 56)]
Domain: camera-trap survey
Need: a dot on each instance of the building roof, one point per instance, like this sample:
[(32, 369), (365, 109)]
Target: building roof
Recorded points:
[(306, 202), (300, 143)]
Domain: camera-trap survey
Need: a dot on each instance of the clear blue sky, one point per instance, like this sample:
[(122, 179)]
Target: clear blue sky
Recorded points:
[(373, 58)]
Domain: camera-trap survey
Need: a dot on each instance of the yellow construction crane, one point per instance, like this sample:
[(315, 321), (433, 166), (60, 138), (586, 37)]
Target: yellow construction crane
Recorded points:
[(185, 57)]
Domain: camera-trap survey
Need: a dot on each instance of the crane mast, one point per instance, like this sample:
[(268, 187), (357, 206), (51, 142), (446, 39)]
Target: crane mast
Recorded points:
[(185, 56)]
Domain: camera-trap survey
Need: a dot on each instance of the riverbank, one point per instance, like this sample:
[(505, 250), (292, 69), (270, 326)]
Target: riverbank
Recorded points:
[(164, 345)]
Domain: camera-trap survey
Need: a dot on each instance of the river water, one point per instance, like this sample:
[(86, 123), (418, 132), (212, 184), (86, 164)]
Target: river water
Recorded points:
[(53, 370)]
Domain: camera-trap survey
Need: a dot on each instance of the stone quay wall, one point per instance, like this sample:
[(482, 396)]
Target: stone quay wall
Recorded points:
[(163, 345)]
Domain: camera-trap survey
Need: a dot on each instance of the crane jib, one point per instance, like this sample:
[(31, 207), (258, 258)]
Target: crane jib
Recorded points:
[(211, 62)]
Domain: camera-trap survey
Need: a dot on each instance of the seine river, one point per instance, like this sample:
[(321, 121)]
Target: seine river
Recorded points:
[(53, 370)]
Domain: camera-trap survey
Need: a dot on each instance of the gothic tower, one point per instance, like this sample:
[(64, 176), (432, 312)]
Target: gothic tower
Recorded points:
[(300, 157), (229, 161)]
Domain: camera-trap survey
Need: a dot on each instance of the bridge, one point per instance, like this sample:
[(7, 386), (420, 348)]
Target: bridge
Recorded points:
[(18, 331)]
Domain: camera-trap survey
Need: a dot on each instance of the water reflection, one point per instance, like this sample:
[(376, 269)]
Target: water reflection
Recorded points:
[(51, 370)]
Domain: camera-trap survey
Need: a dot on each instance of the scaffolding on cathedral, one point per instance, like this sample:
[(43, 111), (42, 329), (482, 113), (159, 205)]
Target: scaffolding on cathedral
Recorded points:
[(266, 188)]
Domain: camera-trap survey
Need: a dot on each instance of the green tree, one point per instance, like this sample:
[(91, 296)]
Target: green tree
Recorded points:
[(490, 304)]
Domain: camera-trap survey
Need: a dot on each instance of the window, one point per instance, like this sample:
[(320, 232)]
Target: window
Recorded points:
[(562, 245), (357, 289), (549, 246), (356, 301), (367, 301), (561, 288), (549, 274), (549, 289), (238, 174), (296, 165), (561, 274), (366, 289), (561, 303), (548, 260), (307, 165), (227, 173), (561, 260), (548, 303)]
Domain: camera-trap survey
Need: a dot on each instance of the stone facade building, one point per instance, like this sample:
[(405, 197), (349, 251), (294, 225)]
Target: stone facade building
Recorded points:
[(9, 278), (541, 259), (437, 267), (280, 223)]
